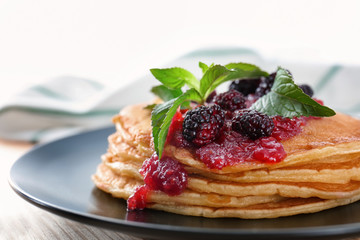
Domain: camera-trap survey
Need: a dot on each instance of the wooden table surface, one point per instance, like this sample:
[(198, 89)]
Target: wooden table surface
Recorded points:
[(21, 220)]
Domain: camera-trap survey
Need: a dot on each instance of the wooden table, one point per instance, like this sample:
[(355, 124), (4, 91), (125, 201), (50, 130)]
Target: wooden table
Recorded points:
[(21, 220)]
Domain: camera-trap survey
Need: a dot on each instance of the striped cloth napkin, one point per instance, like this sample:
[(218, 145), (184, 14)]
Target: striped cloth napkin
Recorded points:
[(69, 105), (64, 106)]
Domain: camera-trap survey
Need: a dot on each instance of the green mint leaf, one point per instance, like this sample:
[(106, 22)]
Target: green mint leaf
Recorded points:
[(288, 100), (246, 67), (150, 106), (212, 75), (203, 67), (162, 115), (239, 73), (175, 78), (165, 93), (218, 74)]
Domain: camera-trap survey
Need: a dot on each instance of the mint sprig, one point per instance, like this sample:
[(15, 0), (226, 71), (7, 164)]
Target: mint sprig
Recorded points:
[(218, 74), (288, 100), (175, 79), (162, 115), (165, 93), (204, 67)]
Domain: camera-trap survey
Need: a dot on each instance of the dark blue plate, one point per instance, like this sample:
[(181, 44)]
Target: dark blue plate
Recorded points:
[(56, 177)]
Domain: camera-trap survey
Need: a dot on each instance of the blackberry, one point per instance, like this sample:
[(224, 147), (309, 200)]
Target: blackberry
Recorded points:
[(231, 100), (245, 86), (252, 124), (307, 89), (211, 97), (203, 124), (265, 85)]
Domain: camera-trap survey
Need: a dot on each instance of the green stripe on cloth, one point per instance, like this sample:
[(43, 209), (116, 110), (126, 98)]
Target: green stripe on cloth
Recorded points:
[(327, 78), (37, 135), (92, 113), (95, 84), (49, 93), (219, 52)]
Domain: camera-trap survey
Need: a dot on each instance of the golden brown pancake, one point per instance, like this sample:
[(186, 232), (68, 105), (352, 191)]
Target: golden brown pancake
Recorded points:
[(123, 186), (330, 172), (287, 207), (285, 189), (321, 171), (213, 205), (320, 139)]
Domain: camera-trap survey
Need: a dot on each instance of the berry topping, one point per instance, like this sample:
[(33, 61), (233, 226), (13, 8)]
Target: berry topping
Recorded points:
[(252, 124), (175, 136), (233, 148), (245, 86), (203, 124), (138, 199), (265, 85), (307, 89), (269, 150), (285, 128), (166, 175), (231, 100), (211, 97)]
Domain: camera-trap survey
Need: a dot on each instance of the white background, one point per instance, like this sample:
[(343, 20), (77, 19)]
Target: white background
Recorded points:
[(114, 41)]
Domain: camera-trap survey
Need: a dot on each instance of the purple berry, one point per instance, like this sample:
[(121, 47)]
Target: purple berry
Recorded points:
[(252, 124), (202, 125)]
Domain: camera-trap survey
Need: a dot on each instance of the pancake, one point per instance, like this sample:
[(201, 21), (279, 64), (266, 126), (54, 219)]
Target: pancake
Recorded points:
[(121, 186), (321, 171), (120, 148), (137, 129), (285, 189), (287, 207), (331, 172), (337, 170), (341, 172), (320, 139), (214, 206)]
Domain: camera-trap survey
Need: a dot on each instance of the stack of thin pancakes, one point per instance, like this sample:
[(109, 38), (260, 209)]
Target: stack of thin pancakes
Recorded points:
[(321, 171)]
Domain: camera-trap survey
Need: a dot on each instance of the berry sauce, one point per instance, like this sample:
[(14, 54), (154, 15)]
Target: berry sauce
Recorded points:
[(138, 199), (285, 128), (232, 148), (166, 175), (175, 136)]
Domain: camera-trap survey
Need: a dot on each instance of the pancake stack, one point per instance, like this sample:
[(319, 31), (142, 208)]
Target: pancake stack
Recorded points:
[(321, 171)]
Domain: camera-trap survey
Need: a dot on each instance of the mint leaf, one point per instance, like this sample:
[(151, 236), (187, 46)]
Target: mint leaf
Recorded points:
[(150, 106), (175, 78), (162, 115), (203, 67), (218, 74), (213, 74), (246, 67), (288, 100), (165, 93)]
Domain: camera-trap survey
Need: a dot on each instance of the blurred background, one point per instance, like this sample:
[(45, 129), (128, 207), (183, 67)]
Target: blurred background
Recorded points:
[(115, 41)]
